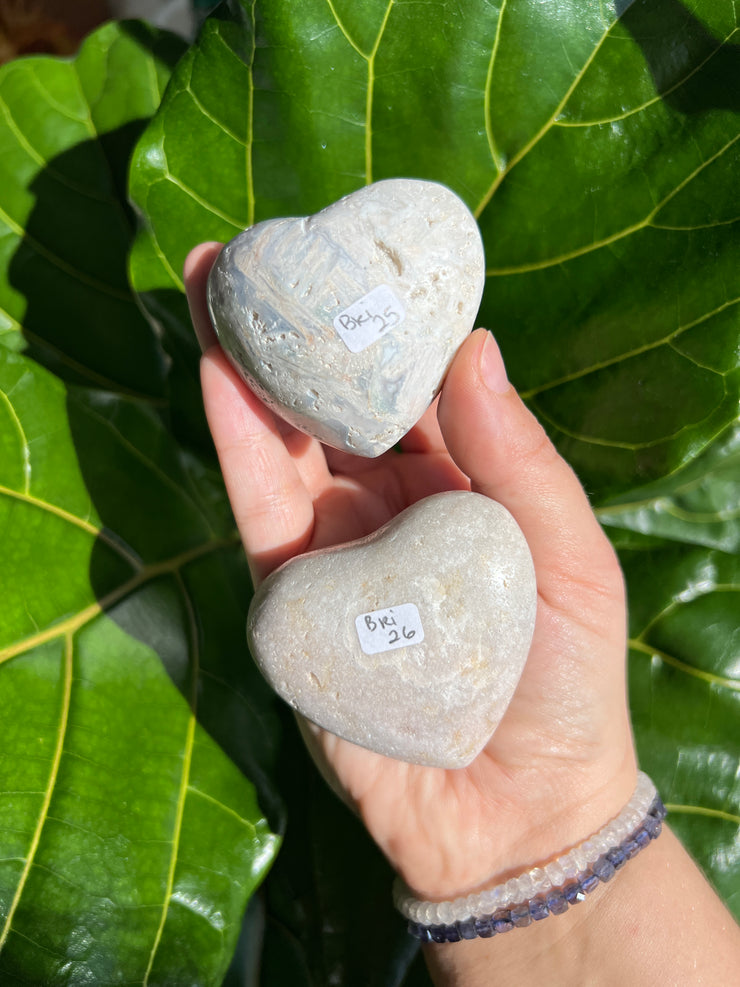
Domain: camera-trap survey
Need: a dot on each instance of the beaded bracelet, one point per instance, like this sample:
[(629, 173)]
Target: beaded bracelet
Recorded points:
[(542, 891)]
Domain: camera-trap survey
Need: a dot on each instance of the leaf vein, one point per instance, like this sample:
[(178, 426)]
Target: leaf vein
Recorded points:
[(25, 449), (90, 529), (549, 123), (659, 98), (209, 207), (703, 810), (57, 261), (53, 774), (637, 351), (225, 808), (76, 621), (345, 32), (496, 156), (699, 673), (184, 779)]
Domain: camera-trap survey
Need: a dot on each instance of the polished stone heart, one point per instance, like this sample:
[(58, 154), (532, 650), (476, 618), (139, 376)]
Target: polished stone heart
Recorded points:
[(411, 641), (345, 322)]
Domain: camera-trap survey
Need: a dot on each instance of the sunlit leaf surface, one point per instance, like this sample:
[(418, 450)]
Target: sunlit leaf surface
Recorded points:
[(129, 841)]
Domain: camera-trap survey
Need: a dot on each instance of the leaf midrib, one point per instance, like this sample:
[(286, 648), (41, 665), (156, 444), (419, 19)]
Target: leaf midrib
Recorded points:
[(51, 785), (146, 574)]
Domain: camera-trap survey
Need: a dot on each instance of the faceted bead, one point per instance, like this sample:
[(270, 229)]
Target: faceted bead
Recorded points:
[(538, 909), (451, 933), (652, 826), (437, 933), (502, 921), (589, 852), (589, 883), (573, 893), (579, 859), (494, 898), (512, 890), (555, 873), (570, 869), (520, 916), (539, 880), (630, 849), (641, 837), (616, 857), (466, 928), (526, 887), (484, 927), (603, 869), (556, 903)]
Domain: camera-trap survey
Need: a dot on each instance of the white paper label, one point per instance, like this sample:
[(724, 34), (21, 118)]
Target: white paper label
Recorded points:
[(369, 318), (386, 630)]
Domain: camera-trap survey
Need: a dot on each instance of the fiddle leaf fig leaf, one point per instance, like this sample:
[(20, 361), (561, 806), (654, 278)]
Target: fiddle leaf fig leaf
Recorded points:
[(685, 693), (131, 837), (598, 147), (130, 842), (699, 504), (66, 129), (599, 161)]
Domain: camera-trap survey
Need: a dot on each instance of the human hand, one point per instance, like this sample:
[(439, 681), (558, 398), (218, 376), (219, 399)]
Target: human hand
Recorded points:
[(561, 763)]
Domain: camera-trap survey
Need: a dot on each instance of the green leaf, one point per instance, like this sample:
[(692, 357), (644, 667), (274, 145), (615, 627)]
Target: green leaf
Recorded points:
[(112, 791), (66, 129), (685, 695), (699, 504), (130, 841), (601, 165)]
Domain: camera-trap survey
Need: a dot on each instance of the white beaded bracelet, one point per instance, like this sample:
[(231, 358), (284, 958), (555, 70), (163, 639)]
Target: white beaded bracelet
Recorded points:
[(540, 891)]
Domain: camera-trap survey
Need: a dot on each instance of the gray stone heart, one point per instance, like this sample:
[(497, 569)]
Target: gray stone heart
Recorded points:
[(345, 322), (411, 641)]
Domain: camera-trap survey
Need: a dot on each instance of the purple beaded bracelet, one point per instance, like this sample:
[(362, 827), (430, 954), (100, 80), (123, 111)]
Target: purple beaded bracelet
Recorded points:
[(554, 900)]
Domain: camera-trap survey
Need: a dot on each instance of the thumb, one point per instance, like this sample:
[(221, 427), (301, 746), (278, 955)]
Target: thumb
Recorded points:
[(498, 443)]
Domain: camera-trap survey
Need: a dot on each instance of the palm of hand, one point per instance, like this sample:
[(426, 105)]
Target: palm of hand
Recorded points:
[(562, 755)]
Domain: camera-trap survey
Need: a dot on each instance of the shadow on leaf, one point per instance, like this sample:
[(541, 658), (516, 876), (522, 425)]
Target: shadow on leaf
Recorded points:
[(673, 40)]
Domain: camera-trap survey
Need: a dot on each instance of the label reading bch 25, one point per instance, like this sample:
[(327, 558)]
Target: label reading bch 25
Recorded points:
[(370, 317)]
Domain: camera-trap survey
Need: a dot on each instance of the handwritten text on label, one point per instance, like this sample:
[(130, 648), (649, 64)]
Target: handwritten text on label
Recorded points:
[(370, 317), (388, 629)]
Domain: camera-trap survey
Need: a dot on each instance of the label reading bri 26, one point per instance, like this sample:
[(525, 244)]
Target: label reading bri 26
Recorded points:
[(388, 629), (369, 318)]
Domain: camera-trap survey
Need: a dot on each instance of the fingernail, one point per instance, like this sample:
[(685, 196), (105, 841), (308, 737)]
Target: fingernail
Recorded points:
[(492, 369)]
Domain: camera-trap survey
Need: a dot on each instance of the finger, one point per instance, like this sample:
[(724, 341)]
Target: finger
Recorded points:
[(271, 504), (496, 440), (196, 269), (426, 435)]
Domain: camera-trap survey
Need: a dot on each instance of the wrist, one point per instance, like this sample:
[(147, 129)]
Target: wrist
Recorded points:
[(541, 891), (537, 818)]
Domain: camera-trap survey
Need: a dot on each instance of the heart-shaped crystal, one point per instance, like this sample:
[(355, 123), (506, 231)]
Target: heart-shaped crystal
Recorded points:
[(411, 641), (345, 322)]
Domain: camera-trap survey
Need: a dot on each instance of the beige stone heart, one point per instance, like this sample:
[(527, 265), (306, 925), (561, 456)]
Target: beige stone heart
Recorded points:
[(345, 322), (411, 641)]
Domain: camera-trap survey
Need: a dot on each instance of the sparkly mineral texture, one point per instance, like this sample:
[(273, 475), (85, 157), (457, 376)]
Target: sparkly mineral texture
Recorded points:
[(345, 322), (411, 641)]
